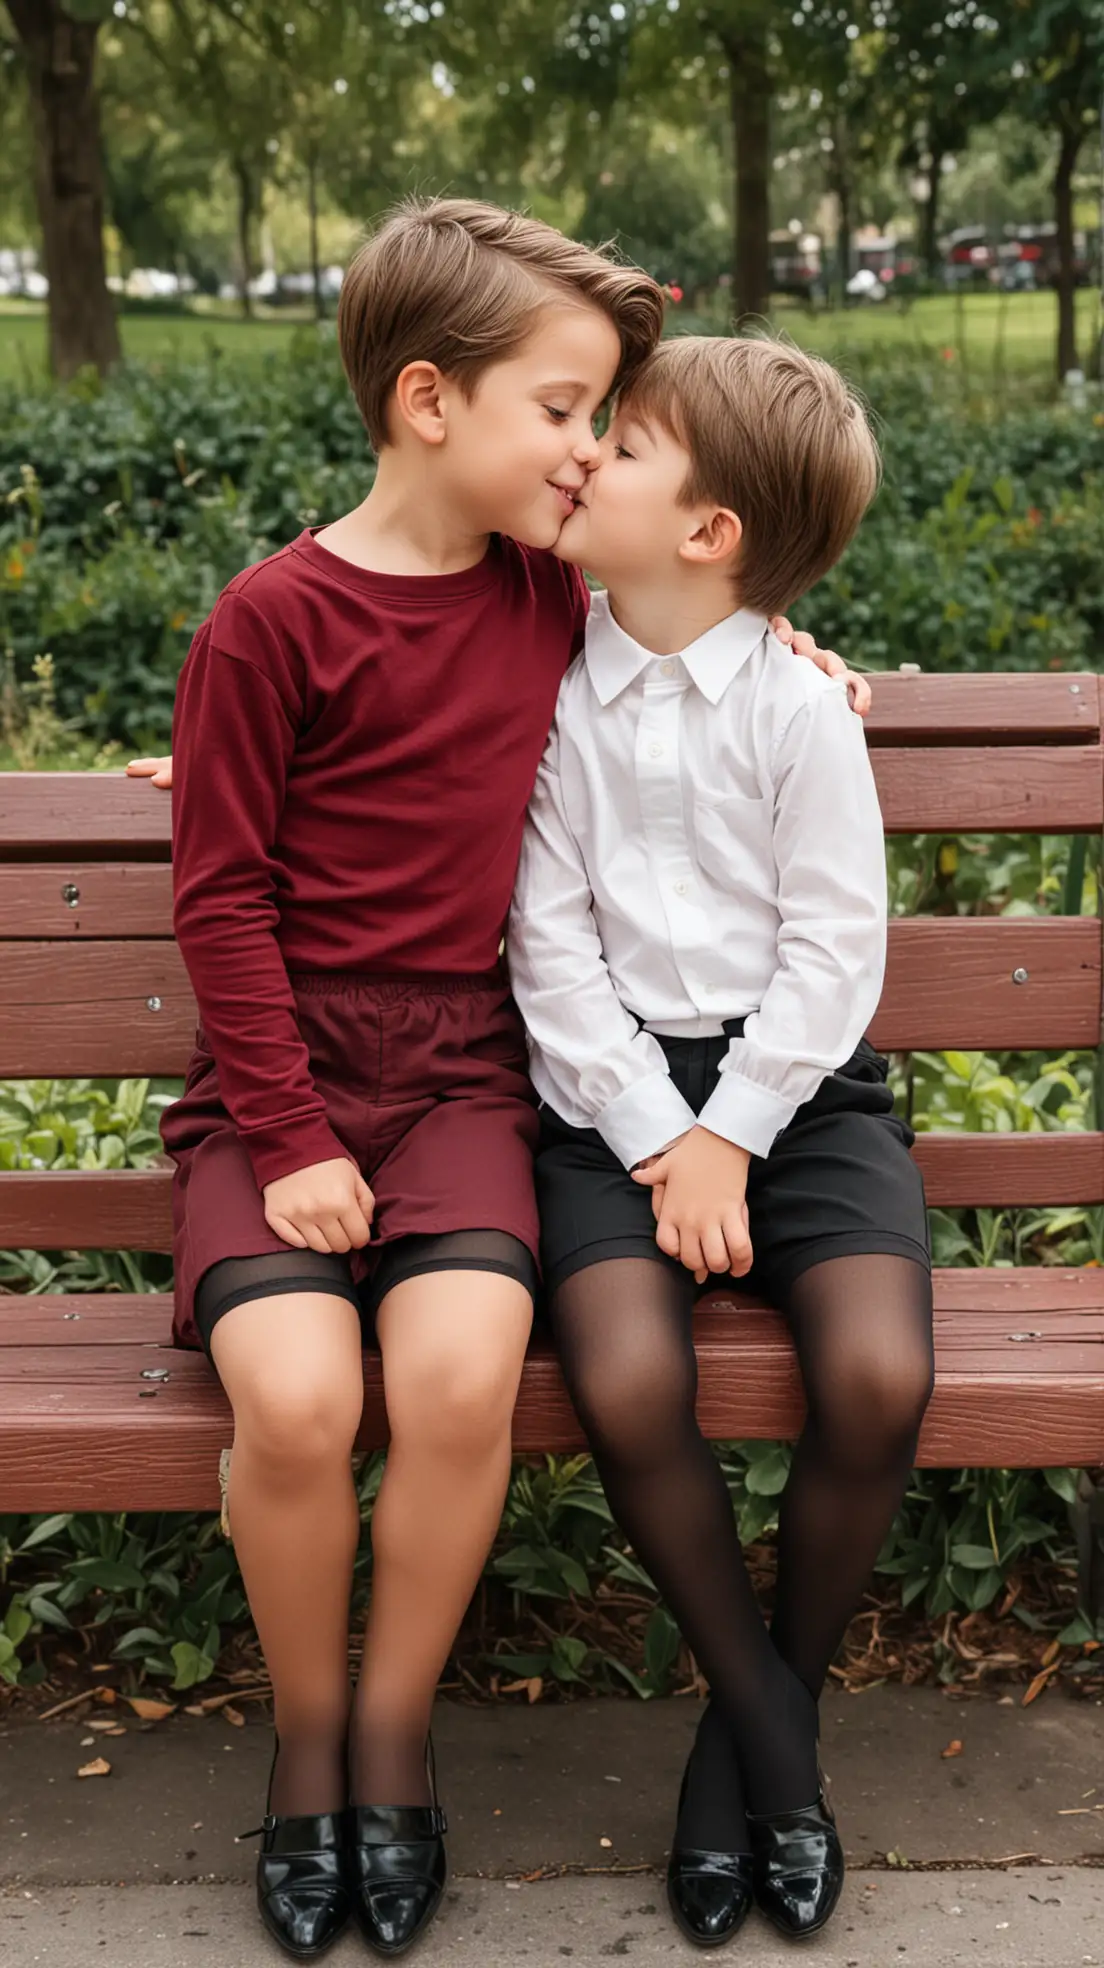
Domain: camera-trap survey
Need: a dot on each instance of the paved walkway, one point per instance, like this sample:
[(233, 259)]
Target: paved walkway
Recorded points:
[(139, 1869)]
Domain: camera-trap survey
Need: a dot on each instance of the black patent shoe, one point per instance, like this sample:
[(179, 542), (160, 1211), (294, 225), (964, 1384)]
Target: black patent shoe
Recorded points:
[(398, 1867), (709, 1894), (303, 1890), (798, 1868)]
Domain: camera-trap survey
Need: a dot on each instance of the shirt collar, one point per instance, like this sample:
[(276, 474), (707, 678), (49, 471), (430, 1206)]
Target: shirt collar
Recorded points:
[(614, 660)]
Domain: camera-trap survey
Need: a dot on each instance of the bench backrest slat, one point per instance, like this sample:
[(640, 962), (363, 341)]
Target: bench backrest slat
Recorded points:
[(131, 1209), (125, 1007)]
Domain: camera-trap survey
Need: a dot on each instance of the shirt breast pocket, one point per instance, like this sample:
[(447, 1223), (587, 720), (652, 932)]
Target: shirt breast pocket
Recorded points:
[(734, 839)]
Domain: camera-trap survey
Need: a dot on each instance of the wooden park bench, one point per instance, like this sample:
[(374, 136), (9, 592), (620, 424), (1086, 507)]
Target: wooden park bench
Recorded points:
[(98, 1412)]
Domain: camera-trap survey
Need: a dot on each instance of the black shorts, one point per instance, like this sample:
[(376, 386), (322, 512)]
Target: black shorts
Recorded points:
[(839, 1180)]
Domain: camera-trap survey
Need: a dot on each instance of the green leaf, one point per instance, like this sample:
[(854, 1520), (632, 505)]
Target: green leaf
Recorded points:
[(767, 1475), (47, 1528), (661, 1645), (191, 1664), (108, 1574), (17, 1622)]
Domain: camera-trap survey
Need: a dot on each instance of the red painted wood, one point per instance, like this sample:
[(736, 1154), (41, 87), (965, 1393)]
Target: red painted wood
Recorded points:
[(131, 1210), (80, 1428), (114, 899), (85, 1009), (990, 709), (950, 982), (1020, 789)]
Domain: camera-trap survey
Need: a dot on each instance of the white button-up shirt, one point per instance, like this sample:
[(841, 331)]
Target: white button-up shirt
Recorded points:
[(704, 842)]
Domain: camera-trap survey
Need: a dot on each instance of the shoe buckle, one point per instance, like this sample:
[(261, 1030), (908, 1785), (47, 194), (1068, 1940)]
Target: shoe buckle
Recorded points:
[(268, 1824)]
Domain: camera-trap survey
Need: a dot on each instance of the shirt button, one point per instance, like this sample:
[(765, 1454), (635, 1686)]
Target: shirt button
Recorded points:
[(681, 887), (709, 990), (667, 669), (655, 751)]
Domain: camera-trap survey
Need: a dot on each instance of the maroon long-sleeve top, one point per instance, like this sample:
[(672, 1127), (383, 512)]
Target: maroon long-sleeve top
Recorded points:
[(353, 756)]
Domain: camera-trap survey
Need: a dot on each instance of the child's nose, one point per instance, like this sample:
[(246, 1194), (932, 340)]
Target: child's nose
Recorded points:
[(586, 449)]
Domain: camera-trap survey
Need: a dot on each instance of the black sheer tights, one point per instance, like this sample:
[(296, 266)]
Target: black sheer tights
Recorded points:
[(862, 1330)]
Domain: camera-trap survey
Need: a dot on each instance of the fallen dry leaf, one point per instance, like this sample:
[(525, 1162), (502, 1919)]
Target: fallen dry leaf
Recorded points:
[(1052, 1653), (102, 1723), (1041, 1679), (99, 1767), (953, 1749), (194, 1709), (234, 1716), (118, 1730), (107, 1696), (606, 1844), (150, 1711)]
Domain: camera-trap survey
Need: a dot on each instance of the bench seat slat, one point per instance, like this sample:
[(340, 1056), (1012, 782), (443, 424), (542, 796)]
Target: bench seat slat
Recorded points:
[(968, 1298), (105, 1008), (81, 1429)]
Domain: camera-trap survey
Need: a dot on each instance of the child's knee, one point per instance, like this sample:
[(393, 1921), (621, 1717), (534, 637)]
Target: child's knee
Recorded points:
[(462, 1402), (873, 1411), (297, 1421)]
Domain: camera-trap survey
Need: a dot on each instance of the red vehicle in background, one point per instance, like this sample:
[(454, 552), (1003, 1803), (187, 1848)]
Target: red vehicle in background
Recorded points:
[(1028, 258), (970, 258)]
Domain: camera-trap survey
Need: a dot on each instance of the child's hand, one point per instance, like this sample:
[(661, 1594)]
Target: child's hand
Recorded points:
[(159, 770), (803, 644), (698, 1190), (327, 1207)]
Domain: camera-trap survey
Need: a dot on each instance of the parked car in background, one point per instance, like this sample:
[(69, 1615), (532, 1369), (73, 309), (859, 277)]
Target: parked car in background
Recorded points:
[(796, 264), (970, 258), (1028, 258)]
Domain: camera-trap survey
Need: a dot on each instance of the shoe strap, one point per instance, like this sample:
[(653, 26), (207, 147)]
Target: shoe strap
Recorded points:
[(397, 1824)]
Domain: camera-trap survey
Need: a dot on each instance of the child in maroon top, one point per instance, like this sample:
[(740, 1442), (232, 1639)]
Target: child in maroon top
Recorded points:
[(358, 729)]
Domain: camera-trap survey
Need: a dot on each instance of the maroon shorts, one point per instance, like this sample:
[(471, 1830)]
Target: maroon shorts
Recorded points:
[(426, 1084)]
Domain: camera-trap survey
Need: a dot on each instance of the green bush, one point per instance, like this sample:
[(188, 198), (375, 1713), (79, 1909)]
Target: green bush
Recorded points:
[(128, 505)]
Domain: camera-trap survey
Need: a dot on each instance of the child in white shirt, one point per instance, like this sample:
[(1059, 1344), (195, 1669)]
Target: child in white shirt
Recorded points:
[(697, 946)]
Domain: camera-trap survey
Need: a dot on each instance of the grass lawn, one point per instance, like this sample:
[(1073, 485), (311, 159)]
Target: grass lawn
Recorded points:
[(147, 337), (985, 332), (977, 328)]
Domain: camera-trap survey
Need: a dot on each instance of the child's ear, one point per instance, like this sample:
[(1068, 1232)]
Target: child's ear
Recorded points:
[(715, 539), (418, 401)]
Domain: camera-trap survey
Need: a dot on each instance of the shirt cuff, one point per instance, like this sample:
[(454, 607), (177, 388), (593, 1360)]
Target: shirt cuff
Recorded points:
[(644, 1118), (281, 1147), (747, 1114)]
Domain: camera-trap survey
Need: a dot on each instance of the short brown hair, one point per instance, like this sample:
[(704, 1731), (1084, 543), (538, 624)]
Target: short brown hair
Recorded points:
[(461, 284), (778, 437)]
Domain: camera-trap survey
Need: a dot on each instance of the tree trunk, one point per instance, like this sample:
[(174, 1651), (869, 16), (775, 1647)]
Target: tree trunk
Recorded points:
[(840, 180), (60, 59), (312, 212), (247, 211), (1068, 150), (845, 226), (750, 85), (929, 229)]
